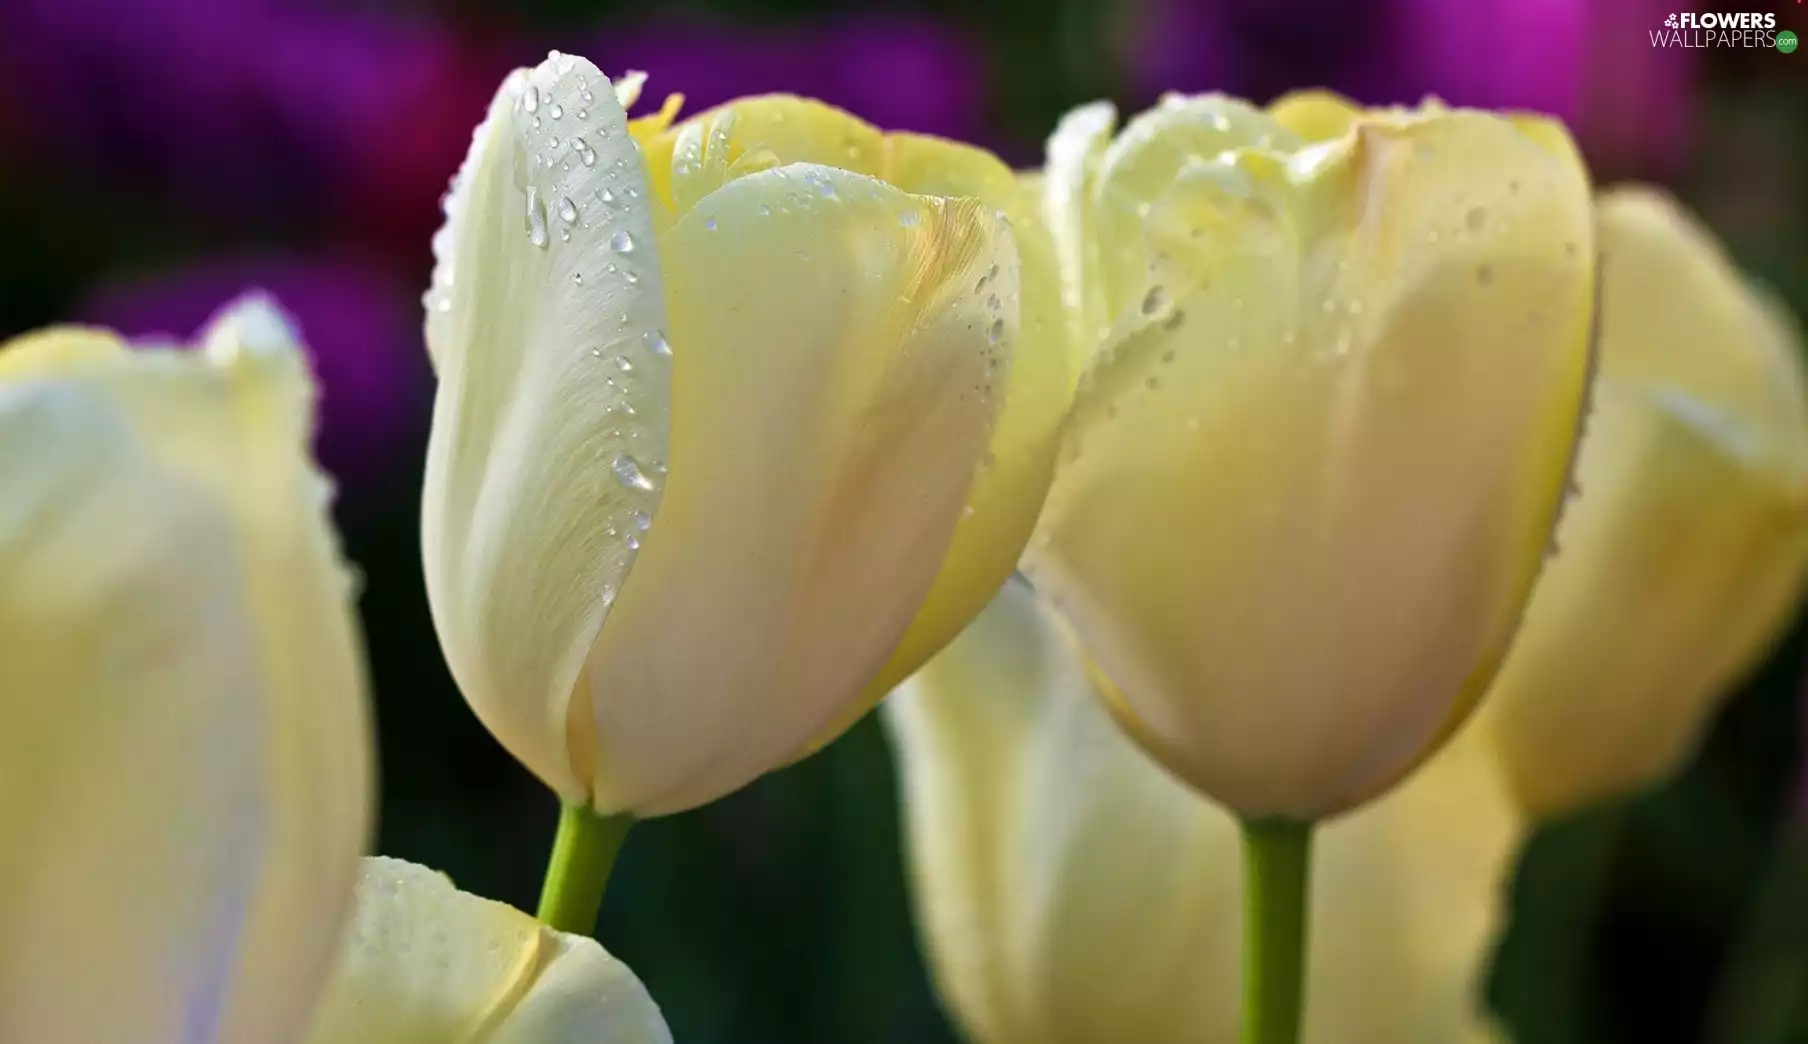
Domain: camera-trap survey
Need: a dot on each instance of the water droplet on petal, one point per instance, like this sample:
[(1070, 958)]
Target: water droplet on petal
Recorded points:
[(642, 521), (622, 364), (530, 100), (578, 278), (536, 218), (605, 195), (656, 342), (558, 112), (1154, 300), (621, 242), (586, 95), (567, 209), (628, 473), (1476, 218), (996, 332)]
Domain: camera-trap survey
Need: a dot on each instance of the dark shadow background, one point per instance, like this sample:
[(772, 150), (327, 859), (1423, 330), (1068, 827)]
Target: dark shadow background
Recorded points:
[(157, 158)]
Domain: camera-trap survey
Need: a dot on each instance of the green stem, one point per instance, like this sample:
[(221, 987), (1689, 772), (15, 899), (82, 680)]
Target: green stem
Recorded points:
[(1277, 859), (583, 853)]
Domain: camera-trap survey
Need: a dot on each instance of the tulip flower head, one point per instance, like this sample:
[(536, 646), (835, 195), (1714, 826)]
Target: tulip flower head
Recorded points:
[(1682, 556), (185, 772), (185, 779), (1070, 891), (738, 421), (1318, 454)]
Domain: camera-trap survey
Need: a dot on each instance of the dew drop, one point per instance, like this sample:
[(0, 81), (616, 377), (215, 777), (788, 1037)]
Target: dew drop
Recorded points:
[(908, 219), (605, 195), (622, 364), (558, 112), (628, 473), (765, 210), (1154, 300), (996, 332), (568, 210), (1174, 322), (709, 224), (1476, 218), (656, 342), (531, 100), (630, 276), (621, 242), (589, 157), (583, 114), (992, 302), (578, 278), (586, 95), (642, 521), (536, 218), (633, 542), (536, 123), (1167, 356), (1153, 383)]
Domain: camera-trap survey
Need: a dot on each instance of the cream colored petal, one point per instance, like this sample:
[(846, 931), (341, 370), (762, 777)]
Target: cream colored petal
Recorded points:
[(1682, 314), (1679, 564), (1074, 153), (1141, 164), (1072, 892), (833, 397), (754, 134), (1303, 497), (171, 579), (425, 963), (1013, 476), (1315, 115), (549, 429)]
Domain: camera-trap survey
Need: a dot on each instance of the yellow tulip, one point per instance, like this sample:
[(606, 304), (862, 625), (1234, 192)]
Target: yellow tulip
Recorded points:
[(1682, 556), (1313, 467), (425, 963), (1070, 891), (184, 767), (738, 421)]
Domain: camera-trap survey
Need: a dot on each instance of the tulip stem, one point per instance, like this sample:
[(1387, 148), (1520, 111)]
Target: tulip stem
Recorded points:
[(1277, 860), (583, 853)]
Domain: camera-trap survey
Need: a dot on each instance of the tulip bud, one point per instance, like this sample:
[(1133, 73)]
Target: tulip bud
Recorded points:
[(733, 430), (1070, 891), (1310, 475), (1682, 554), (424, 961), (184, 766)]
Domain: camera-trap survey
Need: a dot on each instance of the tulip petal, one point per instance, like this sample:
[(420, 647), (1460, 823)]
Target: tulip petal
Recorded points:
[(1013, 478), (1678, 563), (547, 320), (1070, 891), (1074, 154), (427, 964), (194, 803), (833, 395), (1684, 316), (1241, 524)]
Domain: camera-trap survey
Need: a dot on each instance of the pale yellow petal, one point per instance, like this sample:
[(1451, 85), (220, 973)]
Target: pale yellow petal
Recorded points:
[(1304, 496), (1683, 315), (171, 579), (425, 963), (834, 391), (1315, 115), (547, 319), (1014, 474), (1682, 556), (1074, 152), (1072, 892)]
